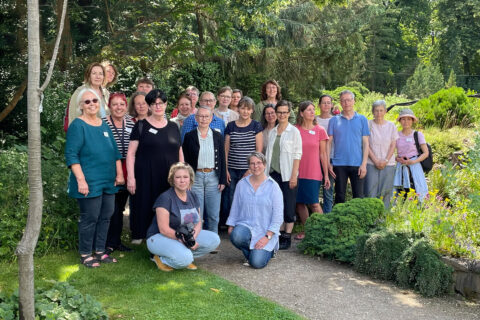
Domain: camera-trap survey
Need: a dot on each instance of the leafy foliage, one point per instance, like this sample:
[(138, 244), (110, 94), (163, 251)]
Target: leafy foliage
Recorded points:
[(448, 141), (62, 301), (334, 235), (377, 254), (420, 268), (447, 108), (426, 80), (59, 226)]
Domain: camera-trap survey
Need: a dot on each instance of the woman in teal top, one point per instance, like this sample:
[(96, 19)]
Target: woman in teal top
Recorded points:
[(92, 155)]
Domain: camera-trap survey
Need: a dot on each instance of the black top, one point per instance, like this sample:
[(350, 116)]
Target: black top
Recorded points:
[(191, 149)]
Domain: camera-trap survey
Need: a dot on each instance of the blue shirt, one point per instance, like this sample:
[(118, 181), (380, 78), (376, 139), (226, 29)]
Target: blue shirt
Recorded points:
[(347, 136), (260, 211), (94, 148), (190, 123)]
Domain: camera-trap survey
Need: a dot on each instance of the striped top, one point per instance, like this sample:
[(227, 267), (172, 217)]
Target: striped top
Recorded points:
[(242, 143), (121, 135)]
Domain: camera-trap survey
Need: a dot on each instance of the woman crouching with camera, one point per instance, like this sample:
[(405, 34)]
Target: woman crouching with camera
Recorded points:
[(175, 236)]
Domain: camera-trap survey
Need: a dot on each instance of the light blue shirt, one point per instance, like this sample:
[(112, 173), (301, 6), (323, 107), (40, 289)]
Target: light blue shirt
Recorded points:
[(206, 155), (260, 211), (347, 136)]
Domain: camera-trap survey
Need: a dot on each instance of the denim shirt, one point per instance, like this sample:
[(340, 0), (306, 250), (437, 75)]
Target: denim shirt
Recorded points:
[(260, 211)]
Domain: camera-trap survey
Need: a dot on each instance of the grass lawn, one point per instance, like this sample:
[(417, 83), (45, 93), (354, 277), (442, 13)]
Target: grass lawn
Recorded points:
[(135, 289)]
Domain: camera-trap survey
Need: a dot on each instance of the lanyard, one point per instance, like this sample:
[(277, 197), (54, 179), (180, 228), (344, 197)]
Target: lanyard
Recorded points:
[(122, 136)]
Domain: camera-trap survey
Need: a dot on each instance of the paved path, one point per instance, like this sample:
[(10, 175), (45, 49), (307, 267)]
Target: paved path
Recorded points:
[(321, 289)]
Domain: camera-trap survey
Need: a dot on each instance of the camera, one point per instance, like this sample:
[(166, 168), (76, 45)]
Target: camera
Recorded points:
[(185, 234)]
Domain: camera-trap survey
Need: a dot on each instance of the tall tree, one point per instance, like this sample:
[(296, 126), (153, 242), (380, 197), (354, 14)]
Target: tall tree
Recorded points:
[(26, 246)]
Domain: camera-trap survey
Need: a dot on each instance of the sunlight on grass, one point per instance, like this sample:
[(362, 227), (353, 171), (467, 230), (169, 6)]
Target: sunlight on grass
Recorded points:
[(66, 271), (170, 285), (200, 283)]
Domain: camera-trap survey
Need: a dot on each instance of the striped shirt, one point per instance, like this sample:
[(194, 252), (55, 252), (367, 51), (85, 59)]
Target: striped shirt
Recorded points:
[(242, 143), (121, 135)]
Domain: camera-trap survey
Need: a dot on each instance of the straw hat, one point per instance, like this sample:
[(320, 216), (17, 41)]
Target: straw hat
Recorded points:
[(407, 113)]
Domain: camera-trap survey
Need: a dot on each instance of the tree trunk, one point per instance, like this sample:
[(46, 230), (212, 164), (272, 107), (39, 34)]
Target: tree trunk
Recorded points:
[(26, 247)]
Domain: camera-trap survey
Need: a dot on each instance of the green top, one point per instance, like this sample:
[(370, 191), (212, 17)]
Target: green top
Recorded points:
[(257, 113), (94, 148), (275, 163)]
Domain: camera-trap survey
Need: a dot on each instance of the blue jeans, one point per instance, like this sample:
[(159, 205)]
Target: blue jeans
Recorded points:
[(94, 220), (257, 258), (328, 195), (205, 188), (227, 197), (174, 253)]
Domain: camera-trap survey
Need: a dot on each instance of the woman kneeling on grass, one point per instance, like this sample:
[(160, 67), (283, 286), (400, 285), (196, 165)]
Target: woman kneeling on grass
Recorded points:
[(175, 236), (256, 214)]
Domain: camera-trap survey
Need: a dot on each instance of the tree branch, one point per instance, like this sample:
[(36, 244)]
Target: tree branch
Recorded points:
[(13, 103), (55, 49)]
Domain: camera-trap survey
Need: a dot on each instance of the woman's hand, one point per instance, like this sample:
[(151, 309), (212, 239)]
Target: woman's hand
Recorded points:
[(230, 229), (228, 178), (292, 183), (326, 184), (261, 243), (119, 180), (221, 187), (410, 161), (380, 164), (131, 185), (83, 187), (195, 247), (330, 171)]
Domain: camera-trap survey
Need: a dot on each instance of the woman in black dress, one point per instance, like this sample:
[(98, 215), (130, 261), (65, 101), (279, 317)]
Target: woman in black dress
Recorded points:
[(154, 146)]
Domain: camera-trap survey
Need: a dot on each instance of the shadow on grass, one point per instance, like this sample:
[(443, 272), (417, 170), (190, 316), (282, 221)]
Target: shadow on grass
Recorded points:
[(134, 288)]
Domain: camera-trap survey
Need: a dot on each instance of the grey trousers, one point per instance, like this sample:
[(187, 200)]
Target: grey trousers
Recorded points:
[(379, 183)]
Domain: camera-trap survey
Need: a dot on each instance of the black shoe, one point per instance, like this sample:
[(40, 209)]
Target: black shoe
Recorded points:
[(285, 241), (123, 248), (109, 250)]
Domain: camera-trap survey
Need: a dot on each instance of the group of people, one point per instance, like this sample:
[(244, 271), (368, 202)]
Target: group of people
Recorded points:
[(254, 167)]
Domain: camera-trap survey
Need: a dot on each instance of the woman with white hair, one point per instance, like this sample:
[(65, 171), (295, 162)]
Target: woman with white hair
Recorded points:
[(96, 169), (381, 160)]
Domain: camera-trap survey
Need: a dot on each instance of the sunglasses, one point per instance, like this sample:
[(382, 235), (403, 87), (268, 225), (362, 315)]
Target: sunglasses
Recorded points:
[(89, 101)]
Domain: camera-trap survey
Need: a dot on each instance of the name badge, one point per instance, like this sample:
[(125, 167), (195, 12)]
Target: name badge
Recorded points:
[(105, 134), (129, 130), (311, 132), (154, 131), (218, 130), (409, 139)]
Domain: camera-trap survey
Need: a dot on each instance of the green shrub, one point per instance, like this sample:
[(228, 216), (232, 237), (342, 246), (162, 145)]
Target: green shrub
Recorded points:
[(377, 254), (59, 223), (334, 235), (445, 142), (446, 108), (426, 80), (357, 88), (421, 268), (62, 301)]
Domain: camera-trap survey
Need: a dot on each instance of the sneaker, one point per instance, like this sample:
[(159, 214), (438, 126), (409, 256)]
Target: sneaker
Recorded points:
[(160, 265), (137, 241), (275, 254), (285, 241), (245, 263), (123, 248), (191, 266)]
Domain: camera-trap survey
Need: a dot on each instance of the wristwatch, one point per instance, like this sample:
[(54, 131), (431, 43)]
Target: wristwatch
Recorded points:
[(268, 237)]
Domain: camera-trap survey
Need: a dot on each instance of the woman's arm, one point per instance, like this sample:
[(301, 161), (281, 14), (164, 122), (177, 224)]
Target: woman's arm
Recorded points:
[(294, 177), (119, 179), (259, 141), (82, 183), (227, 150), (132, 150), (391, 150), (324, 163), (163, 223), (420, 158)]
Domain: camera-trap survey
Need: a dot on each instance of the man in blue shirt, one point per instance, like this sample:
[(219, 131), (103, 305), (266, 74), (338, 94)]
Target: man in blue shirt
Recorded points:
[(349, 130), (206, 99)]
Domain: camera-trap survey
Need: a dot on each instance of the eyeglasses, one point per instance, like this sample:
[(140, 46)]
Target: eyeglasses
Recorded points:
[(282, 113), (208, 100), (225, 96), (256, 163), (203, 117), (90, 101), (194, 94), (157, 104), (346, 100)]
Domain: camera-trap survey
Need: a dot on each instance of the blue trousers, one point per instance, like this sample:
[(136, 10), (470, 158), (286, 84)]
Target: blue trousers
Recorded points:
[(94, 220), (241, 238), (174, 253)]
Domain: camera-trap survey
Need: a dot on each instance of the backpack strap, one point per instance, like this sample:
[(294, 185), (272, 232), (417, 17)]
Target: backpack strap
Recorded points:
[(417, 144)]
